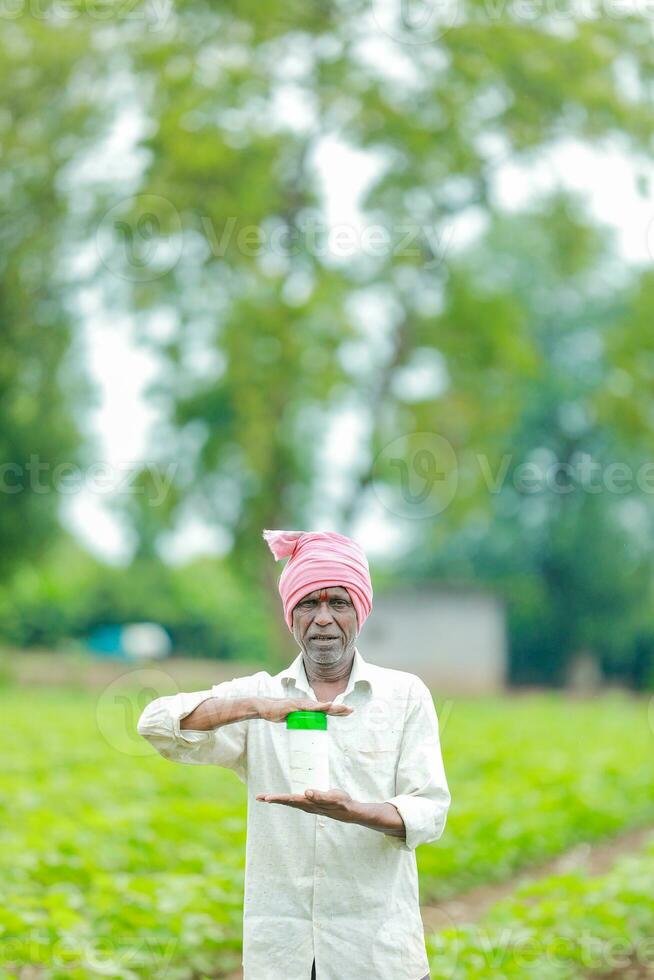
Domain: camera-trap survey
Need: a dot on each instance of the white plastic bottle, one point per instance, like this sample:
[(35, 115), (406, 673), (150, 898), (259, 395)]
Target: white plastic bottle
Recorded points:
[(308, 750)]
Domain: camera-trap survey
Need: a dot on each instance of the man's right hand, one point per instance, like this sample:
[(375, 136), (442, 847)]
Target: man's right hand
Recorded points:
[(276, 709)]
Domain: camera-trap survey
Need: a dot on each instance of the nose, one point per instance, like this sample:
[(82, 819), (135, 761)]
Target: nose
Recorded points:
[(323, 616)]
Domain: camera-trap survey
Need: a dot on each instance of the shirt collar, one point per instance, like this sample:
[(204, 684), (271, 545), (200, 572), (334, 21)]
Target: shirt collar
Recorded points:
[(359, 674)]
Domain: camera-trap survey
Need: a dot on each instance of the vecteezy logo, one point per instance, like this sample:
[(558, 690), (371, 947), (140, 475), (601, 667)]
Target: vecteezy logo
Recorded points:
[(416, 476), (121, 704), (140, 238), (416, 21)]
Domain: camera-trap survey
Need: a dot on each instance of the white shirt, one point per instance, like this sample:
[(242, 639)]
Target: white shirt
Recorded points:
[(315, 886)]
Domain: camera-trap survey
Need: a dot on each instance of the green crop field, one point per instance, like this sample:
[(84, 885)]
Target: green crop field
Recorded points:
[(561, 928), (116, 862)]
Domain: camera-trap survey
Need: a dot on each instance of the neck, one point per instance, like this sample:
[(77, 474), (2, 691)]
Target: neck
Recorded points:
[(328, 673)]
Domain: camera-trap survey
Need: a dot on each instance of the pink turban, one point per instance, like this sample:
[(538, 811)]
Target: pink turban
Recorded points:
[(318, 560)]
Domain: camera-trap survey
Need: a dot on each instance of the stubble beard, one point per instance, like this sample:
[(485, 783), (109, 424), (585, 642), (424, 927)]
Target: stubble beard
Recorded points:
[(328, 656)]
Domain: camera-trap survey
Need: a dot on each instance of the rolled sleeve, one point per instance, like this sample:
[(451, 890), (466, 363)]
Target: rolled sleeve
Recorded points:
[(224, 746), (422, 794)]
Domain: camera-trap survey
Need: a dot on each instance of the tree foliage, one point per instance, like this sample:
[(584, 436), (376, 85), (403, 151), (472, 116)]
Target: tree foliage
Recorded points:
[(565, 495), (45, 120), (269, 335)]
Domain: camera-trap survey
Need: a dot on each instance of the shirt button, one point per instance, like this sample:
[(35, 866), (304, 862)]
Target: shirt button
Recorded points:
[(321, 822)]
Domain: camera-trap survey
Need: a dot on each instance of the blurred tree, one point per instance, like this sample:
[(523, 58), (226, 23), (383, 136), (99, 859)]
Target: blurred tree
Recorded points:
[(220, 247), (45, 119), (148, 507), (272, 334), (202, 604), (565, 516)]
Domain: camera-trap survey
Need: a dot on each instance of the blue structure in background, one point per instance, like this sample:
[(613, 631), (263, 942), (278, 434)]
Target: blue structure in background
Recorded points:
[(129, 641), (106, 641)]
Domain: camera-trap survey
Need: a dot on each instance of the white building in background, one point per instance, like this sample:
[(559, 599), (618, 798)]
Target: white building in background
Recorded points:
[(454, 638)]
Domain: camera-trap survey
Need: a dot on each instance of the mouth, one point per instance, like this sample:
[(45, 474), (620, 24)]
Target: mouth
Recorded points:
[(324, 639)]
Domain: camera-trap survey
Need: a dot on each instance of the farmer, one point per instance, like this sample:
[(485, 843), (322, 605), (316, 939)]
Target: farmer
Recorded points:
[(331, 883)]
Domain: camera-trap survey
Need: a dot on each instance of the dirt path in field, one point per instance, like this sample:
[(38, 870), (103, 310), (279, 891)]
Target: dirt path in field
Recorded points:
[(632, 970), (468, 907), (595, 859)]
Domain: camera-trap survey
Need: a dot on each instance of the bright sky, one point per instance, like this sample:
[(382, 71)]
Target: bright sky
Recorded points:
[(121, 421)]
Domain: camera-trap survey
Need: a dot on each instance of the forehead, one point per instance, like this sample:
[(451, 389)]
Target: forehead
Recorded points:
[(332, 592)]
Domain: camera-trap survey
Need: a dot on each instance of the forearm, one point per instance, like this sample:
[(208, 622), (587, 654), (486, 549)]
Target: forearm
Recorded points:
[(215, 712), (378, 816)]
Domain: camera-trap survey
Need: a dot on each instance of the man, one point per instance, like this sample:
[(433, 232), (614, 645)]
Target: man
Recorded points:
[(331, 882)]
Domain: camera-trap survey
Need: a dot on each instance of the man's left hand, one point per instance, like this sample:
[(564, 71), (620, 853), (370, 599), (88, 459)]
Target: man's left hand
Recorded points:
[(333, 803)]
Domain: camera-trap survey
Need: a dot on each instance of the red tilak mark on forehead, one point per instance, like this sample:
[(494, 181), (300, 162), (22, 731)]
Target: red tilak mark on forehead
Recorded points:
[(323, 595)]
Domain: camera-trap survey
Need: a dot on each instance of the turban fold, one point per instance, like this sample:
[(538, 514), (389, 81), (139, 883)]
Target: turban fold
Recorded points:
[(318, 560)]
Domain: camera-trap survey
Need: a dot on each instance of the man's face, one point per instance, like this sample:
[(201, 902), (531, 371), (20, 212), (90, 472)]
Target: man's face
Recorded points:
[(325, 624)]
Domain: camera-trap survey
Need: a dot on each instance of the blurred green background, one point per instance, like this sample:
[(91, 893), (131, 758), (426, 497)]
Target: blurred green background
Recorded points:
[(273, 244), (379, 267)]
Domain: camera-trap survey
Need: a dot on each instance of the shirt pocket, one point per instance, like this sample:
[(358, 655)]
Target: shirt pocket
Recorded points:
[(384, 740), (374, 764), (380, 749)]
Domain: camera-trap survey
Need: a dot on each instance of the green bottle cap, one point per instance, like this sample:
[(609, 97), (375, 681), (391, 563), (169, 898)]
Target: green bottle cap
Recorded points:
[(307, 719)]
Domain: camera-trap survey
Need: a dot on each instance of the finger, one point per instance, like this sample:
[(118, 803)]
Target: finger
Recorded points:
[(281, 798), (330, 708), (319, 796), (295, 804)]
